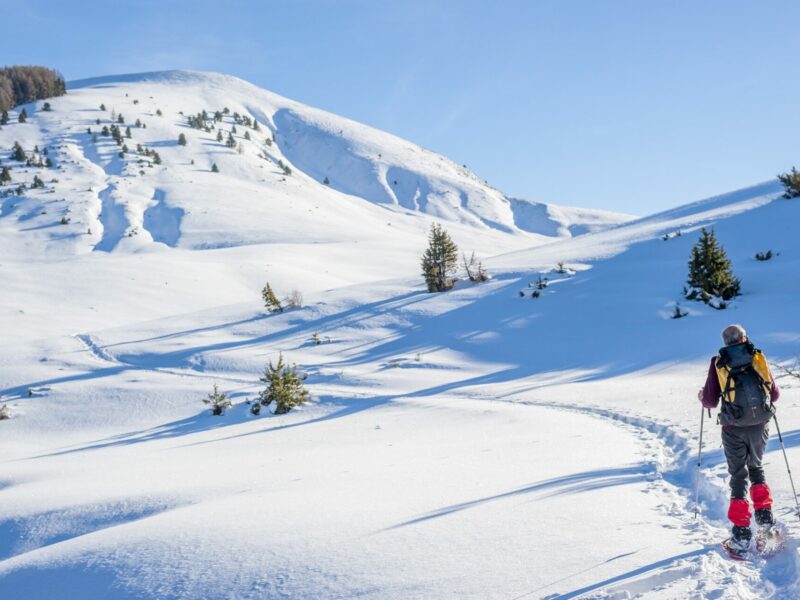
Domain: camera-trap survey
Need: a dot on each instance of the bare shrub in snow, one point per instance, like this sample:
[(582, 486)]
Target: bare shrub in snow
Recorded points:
[(678, 313), (294, 299), (474, 268), (218, 401)]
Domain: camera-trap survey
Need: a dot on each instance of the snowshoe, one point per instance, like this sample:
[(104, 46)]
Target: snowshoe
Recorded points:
[(769, 540), (734, 550), (738, 545)]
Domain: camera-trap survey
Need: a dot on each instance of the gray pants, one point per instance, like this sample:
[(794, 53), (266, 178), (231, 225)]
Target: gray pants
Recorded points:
[(744, 448)]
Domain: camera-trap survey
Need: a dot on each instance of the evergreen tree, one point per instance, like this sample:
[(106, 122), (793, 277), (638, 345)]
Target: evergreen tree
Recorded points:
[(46, 107), (791, 182), (37, 182), (710, 271), (4, 118), (5, 176), (182, 140), (440, 260), (219, 135), (219, 401), (23, 116), (271, 301), (284, 387), (102, 107), (214, 168), (18, 153), (128, 132), (48, 163)]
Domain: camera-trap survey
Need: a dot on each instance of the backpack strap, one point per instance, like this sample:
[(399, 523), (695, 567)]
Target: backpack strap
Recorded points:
[(727, 392)]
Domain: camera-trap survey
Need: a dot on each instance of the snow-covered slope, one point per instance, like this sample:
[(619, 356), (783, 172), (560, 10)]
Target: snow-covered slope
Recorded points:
[(199, 237), (480, 443)]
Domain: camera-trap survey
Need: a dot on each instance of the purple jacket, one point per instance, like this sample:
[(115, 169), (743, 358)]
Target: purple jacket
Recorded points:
[(712, 391)]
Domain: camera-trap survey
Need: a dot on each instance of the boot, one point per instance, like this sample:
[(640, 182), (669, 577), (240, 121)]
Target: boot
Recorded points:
[(764, 518), (740, 540)]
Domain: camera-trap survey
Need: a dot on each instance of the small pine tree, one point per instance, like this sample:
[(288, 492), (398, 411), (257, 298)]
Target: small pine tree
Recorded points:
[(326, 181), (128, 133), (710, 271), (23, 116), (271, 302), (102, 107), (284, 387), (219, 135), (18, 153), (37, 182), (181, 140), (46, 107), (247, 135), (156, 158), (138, 123), (158, 112), (214, 168), (440, 260), (218, 401), (4, 118), (48, 163), (5, 176), (791, 182)]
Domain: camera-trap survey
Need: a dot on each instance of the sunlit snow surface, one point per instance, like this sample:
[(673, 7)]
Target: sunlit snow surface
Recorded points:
[(472, 444)]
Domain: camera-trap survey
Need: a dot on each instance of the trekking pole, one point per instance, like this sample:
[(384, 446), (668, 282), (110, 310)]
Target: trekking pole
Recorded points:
[(699, 457), (780, 437)]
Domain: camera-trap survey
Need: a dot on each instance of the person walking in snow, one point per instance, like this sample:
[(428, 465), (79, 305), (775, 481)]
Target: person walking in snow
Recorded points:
[(739, 376)]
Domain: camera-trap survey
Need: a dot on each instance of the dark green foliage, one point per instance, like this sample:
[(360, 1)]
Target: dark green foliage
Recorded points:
[(156, 158), (46, 107), (128, 132), (138, 123), (679, 314), (18, 153), (23, 116), (37, 182), (271, 301), (102, 107), (218, 401), (247, 135), (219, 135), (48, 163), (158, 112), (256, 126), (20, 85), (710, 271), (231, 142), (104, 131), (181, 140), (764, 255), (214, 168), (5, 176), (327, 181), (120, 119), (440, 260), (790, 181), (284, 387), (4, 118)]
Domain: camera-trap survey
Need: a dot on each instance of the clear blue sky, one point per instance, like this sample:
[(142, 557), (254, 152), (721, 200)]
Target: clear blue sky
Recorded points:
[(631, 105)]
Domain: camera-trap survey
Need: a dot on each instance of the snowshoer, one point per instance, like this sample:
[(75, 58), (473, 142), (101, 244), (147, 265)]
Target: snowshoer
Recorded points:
[(739, 376)]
